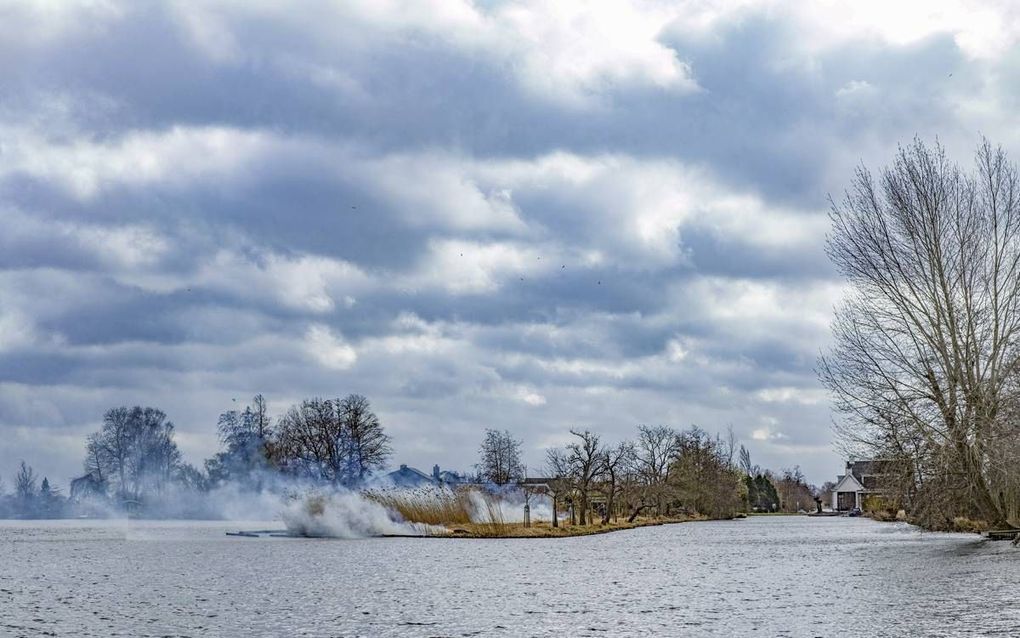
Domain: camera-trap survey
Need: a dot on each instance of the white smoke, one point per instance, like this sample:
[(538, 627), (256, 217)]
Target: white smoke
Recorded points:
[(307, 509), (510, 503), (344, 514)]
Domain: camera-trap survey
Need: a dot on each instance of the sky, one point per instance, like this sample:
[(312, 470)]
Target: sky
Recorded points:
[(519, 214)]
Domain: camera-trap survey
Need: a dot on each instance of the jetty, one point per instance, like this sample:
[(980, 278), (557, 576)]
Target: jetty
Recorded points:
[(1003, 534)]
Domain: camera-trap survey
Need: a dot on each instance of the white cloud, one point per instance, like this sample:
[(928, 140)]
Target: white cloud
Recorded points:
[(16, 331), (567, 51), (434, 190), (465, 267), (766, 434), (304, 282), (982, 29), (676, 351), (84, 167), (328, 348), (118, 247), (786, 394), (35, 23), (572, 49)]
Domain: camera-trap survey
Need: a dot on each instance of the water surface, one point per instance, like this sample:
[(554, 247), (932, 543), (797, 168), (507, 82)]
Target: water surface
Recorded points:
[(769, 576)]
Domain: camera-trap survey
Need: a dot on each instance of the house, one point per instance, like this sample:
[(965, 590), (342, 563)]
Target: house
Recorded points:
[(862, 479), (409, 477), (448, 477), (87, 487), (412, 477)]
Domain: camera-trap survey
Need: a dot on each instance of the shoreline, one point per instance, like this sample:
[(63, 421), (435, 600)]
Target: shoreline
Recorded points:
[(543, 529)]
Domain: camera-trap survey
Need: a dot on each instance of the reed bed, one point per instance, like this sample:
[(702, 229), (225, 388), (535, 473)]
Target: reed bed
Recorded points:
[(445, 507), (432, 507)]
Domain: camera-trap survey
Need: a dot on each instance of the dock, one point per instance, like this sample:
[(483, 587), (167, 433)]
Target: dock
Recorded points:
[(259, 533), (1002, 534)]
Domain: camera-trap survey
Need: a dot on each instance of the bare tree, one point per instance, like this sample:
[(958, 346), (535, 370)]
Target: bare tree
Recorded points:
[(500, 458), (745, 462), (585, 457), (336, 441), (135, 449), (794, 492), (703, 476), (560, 483), (615, 461), (654, 450), (311, 441), (926, 358), (368, 446), (24, 483), (261, 424), (246, 438)]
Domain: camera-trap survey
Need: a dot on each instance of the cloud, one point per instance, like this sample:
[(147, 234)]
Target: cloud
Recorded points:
[(314, 284), (329, 349), (566, 52), (15, 332), (509, 214)]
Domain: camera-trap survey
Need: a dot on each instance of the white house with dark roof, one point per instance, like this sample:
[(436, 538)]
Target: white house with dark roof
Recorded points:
[(862, 478), (847, 493)]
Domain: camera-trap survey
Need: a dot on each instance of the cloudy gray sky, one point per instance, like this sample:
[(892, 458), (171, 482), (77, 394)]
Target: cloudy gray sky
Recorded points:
[(516, 214)]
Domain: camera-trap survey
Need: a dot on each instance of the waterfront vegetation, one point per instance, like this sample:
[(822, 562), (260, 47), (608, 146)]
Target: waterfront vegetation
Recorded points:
[(133, 466), (925, 369)]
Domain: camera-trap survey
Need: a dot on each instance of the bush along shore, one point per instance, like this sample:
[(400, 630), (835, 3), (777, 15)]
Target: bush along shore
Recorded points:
[(323, 463)]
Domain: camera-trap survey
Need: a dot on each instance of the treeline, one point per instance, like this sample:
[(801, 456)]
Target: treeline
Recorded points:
[(31, 497), (660, 472), (133, 465)]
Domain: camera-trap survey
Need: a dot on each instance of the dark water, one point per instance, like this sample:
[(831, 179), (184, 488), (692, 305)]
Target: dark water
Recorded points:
[(779, 576)]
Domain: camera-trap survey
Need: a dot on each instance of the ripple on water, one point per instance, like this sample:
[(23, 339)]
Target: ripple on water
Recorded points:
[(770, 576)]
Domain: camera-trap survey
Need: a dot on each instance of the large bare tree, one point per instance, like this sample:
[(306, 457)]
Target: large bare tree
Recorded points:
[(654, 450), (368, 446), (336, 441), (135, 450), (925, 362)]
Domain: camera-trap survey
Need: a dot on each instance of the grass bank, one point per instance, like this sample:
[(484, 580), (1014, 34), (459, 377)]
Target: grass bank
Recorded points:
[(543, 529)]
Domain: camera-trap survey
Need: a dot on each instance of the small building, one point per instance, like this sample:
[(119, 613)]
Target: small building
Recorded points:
[(862, 479)]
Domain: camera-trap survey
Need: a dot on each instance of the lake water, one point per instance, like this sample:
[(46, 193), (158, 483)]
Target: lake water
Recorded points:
[(767, 576)]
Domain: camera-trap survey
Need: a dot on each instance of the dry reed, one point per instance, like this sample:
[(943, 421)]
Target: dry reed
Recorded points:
[(445, 507), (432, 507)]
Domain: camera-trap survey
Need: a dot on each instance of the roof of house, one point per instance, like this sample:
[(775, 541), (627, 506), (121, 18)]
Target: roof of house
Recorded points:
[(447, 476), (871, 467), (848, 483), (409, 477)]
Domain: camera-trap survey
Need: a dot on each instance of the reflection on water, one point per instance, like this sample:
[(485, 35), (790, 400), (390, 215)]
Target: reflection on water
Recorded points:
[(771, 576)]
